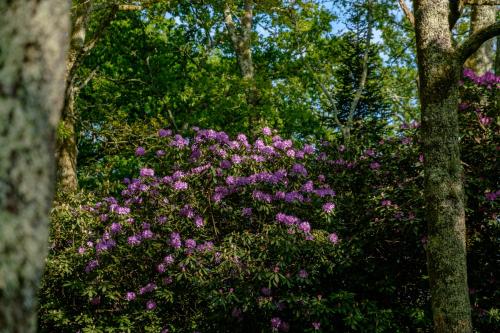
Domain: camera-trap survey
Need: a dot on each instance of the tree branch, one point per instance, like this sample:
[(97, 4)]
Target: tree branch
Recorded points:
[(231, 27), (364, 73), (407, 12), (474, 42)]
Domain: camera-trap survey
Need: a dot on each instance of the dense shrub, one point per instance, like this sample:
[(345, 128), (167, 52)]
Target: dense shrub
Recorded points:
[(222, 235)]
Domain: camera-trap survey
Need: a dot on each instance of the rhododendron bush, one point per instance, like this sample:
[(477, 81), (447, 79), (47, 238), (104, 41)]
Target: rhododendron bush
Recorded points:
[(220, 234), (210, 228)]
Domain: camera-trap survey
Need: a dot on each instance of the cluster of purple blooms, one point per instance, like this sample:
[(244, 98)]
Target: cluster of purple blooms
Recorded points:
[(271, 170), (488, 79)]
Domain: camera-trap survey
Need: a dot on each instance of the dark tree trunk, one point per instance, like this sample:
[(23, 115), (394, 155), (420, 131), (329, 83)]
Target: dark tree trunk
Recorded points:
[(33, 43), (439, 73), (66, 149)]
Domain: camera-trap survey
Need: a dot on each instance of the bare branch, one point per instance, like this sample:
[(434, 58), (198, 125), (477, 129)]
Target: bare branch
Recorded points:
[(474, 42), (325, 91), (407, 12), (87, 79), (364, 73)]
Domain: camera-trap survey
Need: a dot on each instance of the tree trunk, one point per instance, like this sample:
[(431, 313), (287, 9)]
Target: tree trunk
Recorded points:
[(66, 150), (439, 73), (242, 44), (33, 43), (483, 59)]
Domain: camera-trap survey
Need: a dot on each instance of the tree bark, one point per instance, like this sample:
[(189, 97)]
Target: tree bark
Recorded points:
[(439, 73), (33, 43), (483, 60), (242, 44), (66, 149)]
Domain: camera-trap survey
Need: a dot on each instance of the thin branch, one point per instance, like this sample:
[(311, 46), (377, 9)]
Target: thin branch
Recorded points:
[(325, 91), (364, 73), (406, 10), (87, 80), (474, 42)]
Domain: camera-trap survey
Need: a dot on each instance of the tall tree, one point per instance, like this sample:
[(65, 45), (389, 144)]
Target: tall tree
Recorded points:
[(82, 42), (440, 63), (33, 43)]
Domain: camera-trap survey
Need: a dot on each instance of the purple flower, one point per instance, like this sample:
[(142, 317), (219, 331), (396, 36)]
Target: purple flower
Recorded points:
[(160, 153), (303, 274), (265, 291), (81, 250), (316, 325), (199, 222), (122, 210), (370, 152), (175, 240), (187, 211), (180, 186), (169, 260), (236, 159), (161, 268), (225, 164), (190, 243), (308, 187), (267, 131), (134, 240), (287, 219), (130, 296), (246, 211), (490, 196), (328, 207), (150, 305), (275, 323), (386, 202), (333, 238), (164, 132), (147, 234), (140, 151), (93, 264), (145, 172), (305, 227), (299, 169), (374, 165), (116, 227)]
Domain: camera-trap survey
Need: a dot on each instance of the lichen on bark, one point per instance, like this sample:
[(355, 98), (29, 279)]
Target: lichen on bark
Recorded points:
[(33, 42)]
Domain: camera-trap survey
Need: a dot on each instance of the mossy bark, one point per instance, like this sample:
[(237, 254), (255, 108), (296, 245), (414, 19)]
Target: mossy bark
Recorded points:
[(66, 148), (33, 42), (439, 73)]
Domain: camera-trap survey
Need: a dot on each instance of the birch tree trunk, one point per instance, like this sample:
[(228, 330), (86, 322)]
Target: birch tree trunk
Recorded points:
[(33, 43), (242, 44), (483, 60)]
